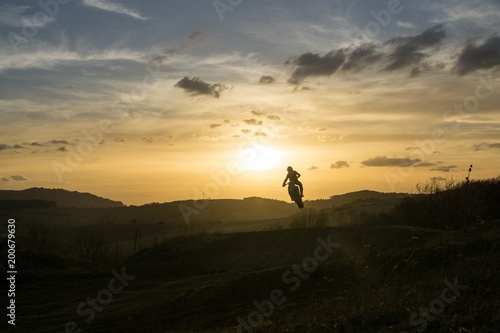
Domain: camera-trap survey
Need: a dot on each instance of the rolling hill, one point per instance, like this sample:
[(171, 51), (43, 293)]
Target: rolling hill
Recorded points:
[(63, 198)]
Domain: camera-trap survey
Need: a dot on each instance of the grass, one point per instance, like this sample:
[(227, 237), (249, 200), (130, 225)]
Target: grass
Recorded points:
[(203, 282)]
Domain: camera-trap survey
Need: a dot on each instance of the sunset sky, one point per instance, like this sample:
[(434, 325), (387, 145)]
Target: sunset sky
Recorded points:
[(154, 101)]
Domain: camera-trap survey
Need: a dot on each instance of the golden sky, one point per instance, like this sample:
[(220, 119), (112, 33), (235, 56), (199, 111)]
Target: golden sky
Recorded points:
[(153, 102)]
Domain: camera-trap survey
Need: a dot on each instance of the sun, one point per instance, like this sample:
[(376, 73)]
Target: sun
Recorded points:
[(260, 157)]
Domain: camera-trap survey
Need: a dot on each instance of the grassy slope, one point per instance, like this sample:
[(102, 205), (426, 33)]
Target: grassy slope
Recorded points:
[(371, 283)]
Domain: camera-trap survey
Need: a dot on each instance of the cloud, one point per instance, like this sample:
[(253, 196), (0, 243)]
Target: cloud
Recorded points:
[(313, 167), (113, 7), (194, 35), (260, 133), (423, 164), (258, 113), (196, 86), (360, 57), (267, 79), (18, 178), (5, 180), (215, 125), (408, 50), (252, 121), (246, 131), (438, 179), (62, 148), (179, 48), (444, 168), (273, 117), (58, 142), (484, 56), (4, 146), (12, 16), (381, 161), (397, 53), (485, 146), (309, 64), (339, 165), (36, 144)]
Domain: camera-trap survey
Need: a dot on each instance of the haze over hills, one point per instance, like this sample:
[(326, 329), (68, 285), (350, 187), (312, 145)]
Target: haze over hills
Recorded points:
[(74, 208), (63, 198)]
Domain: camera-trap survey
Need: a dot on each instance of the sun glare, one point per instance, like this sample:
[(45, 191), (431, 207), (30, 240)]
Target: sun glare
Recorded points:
[(260, 157)]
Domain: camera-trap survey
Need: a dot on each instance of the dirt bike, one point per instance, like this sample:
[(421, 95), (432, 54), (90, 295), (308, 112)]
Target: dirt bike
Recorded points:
[(293, 191)]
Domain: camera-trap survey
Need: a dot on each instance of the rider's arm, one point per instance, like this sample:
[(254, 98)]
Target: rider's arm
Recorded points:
[(298, 174), (284, 182)]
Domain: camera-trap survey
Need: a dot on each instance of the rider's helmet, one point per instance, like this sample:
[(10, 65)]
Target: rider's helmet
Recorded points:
[(289, 169)]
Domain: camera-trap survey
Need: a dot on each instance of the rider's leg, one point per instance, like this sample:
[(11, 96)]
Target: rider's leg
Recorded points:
[(301, 188)]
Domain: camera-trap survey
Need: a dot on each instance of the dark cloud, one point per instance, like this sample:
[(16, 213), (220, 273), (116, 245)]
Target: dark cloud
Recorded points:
[(246, 131), (62, 148), (309, 64), (18, 178), (423, 164), (381, 161), (175, 50), (4, 146), (408, 50), (273, 117), (313, 167), (339, 164), (438, 179), (485, 146), (196, 86), (361, 57), (215, 125), (484, 56), (36, 144), (258, 113), (267, 79), (397, 53), (259, 133), (16, 146), (195, 34), (160, 59), (252, 121), (59, 142), (444, 168), (5, 180)]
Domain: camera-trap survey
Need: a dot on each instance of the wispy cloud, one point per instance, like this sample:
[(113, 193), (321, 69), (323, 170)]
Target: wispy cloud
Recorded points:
[(339, 165), (114, 7), (12, 16), (50, 57), (382, 161), (485, 146)]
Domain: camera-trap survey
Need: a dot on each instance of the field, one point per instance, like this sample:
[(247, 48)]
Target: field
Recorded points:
[(330, 279)]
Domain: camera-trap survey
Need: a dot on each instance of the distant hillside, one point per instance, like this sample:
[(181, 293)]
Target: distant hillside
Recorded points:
[(358, 196), (62, 198)]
